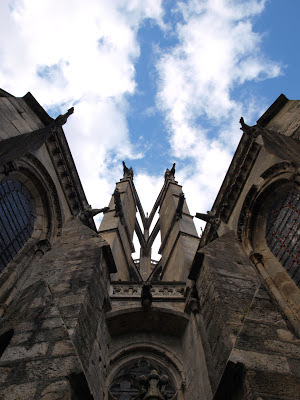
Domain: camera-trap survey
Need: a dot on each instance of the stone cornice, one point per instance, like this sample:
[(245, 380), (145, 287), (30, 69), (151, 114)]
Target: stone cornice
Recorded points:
[(63, 162), (233, 184), (162, 291)]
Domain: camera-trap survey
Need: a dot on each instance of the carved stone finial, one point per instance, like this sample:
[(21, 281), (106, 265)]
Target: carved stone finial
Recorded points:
[(151, 386), (170, 173), (146, 296), (127, 172)]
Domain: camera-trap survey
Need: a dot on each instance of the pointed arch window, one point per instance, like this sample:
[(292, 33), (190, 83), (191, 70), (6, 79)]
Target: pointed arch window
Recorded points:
[(17, 216), (283, 233)]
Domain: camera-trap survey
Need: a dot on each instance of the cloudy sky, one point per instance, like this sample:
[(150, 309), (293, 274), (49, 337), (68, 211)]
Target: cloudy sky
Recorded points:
[(152, 81)]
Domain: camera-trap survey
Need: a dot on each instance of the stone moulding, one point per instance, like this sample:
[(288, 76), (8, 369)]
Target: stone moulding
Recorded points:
[(163, 291)]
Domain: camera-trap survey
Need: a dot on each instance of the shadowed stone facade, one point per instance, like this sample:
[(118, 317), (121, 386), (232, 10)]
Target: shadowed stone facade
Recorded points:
[(216, 317)]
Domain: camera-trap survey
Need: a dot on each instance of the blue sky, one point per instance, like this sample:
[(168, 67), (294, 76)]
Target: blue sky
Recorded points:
[(153, 82)]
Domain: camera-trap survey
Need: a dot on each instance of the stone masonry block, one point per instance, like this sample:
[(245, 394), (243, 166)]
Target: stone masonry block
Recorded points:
[(19, 392), (62, 348), (22, 352), (260, 361)]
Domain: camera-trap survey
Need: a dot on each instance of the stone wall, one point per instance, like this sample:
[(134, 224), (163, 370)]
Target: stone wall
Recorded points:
[(54, 334), (251, 343)]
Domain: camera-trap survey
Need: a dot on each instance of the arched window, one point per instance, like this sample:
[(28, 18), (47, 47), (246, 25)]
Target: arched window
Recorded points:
[(17, 216), (135, 379), (283, 233)]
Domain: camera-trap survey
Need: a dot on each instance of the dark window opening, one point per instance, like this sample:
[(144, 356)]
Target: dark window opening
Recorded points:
[(283, 233), (17, 216), (5, 340)]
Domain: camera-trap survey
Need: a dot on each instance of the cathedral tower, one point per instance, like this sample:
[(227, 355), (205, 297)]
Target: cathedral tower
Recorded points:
[(216, 317)]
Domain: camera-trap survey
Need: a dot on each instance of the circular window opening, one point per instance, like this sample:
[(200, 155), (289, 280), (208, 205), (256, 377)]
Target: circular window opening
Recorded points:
[(141, 380), (17, 216), (283, 233)]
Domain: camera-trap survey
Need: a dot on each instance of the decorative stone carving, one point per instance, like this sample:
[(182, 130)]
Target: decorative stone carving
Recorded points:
[(127, 172), (170, 173), (152, 386), (210, 218), (134, 290), (7, 168), (276, 169), (252, 131), (84, 215), (62, 119), (142, 380)]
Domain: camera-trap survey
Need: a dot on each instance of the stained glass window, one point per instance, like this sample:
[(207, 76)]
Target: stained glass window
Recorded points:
[(283, 233), (17, 216), (126, 384)]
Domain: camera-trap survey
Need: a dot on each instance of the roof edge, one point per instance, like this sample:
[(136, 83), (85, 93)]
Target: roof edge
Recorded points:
[(274, 109)]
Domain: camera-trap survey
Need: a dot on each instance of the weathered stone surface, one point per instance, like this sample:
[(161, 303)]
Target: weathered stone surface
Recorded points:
[(69, 326), (22, 352), (24, 391)]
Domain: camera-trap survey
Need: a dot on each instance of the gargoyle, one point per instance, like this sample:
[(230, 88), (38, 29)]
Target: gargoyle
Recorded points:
[(91, 212), (252, 131), (210, 218), (62, 119)]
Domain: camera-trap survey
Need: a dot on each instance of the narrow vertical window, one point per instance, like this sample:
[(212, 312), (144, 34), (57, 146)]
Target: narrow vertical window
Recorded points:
[(283, 233), (17, 216)]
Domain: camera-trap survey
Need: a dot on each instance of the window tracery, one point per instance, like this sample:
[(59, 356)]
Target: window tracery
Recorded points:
[(283, 233), (17, 216), (129, 382)]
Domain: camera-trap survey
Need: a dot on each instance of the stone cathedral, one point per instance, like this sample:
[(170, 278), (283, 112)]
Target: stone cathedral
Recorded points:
[(216, 317)]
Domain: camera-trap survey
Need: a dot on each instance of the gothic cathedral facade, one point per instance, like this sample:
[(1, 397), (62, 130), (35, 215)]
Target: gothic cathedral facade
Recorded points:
[(217, 317)]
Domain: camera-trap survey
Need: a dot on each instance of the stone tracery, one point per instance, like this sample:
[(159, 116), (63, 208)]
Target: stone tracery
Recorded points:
[(134, 381)]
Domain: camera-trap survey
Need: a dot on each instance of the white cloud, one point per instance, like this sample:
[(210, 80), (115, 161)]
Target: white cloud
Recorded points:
[(70, 52), (217, 51), (67, 52)]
